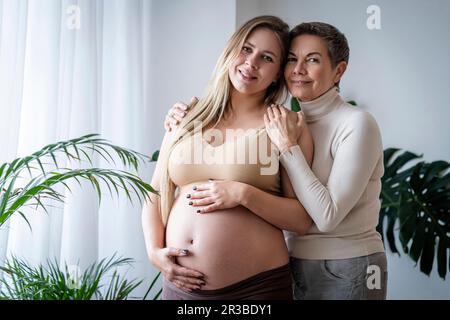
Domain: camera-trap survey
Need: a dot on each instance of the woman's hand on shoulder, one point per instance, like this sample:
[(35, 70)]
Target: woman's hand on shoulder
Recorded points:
[(182, 277), (216, 195), (283, 126), (176, 115)]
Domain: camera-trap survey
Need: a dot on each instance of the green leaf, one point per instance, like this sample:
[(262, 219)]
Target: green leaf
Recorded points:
[(427, 258), (418, 241), (155, 156), (295, 105), (442, 257)]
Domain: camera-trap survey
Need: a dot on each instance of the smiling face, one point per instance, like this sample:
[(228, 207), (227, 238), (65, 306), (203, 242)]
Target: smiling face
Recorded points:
[(258, 63), (309, 72)]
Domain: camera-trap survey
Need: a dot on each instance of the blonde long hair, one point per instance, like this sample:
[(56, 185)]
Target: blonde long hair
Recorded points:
[(212, 107)]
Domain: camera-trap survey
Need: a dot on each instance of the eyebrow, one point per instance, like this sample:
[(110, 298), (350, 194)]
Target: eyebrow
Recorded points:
[(309, 54), (265, 51)]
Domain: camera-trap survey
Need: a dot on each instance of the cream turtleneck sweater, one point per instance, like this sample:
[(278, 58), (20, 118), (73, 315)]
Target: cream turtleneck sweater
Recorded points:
[(341, 190)]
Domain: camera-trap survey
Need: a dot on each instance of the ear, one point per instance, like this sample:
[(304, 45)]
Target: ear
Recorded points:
[(340, 69)]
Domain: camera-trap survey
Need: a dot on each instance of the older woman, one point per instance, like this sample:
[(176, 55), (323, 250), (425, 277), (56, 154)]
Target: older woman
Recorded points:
[(342, 255)]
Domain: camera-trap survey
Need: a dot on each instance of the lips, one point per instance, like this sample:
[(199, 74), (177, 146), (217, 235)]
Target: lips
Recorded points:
[(247, 76), (300, 82)]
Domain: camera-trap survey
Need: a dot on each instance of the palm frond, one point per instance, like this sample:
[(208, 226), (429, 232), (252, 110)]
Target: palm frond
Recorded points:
[(41, 186), (50, 282)]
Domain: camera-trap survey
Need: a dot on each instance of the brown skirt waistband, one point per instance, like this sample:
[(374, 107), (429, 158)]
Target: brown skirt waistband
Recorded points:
[(268, 285)]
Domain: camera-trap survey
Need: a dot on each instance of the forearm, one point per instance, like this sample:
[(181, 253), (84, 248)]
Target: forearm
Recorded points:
[(284, 213), (153, 228), (312, 194), (329, 204)]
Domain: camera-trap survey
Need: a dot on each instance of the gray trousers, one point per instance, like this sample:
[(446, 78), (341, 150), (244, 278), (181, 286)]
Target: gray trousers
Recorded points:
[(360, 278)]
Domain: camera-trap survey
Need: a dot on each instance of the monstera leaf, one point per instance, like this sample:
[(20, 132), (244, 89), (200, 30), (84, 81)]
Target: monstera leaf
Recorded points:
[(419, 199)]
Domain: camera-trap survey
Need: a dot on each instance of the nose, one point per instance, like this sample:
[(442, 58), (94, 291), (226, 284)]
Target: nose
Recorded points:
[(299, 68), (251, 61)]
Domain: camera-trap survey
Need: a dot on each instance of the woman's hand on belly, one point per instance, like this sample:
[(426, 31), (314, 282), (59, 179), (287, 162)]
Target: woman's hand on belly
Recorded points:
[(216, 195), (184, 278)]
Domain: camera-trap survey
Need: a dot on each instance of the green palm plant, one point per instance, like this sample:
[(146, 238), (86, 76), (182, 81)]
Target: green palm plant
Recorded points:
[(42, 185), (100, 281), (44, 175)]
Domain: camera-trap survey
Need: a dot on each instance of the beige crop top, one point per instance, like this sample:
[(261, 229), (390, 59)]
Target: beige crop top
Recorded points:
[(246, 156)]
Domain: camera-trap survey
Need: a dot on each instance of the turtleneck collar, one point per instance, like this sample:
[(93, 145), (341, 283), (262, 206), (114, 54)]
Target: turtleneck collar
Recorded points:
[(321, 106)]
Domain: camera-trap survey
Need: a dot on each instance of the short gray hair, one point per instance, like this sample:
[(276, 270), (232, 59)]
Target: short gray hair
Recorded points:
[(338, 49)]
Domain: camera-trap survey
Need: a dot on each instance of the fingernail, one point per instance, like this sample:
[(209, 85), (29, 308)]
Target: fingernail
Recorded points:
[(188, 195), (190, 203), (194, 187)]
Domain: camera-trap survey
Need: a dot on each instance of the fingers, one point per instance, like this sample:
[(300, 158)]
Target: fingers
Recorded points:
[(276, 111), (175, 116), (180, 285), (200, 194), (191, 283), (181, 106), (210, 208), (202, 202), (178, 115), (300, 116), (270, 113), (186, 272), (190, 280), (202, 187), (185, 286), (176, 252), (178, 111), (170, 123), (167, 126), (194, 100)]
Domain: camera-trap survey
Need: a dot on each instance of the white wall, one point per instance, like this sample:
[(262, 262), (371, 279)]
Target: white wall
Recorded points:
[(401, 75), (187, 38)]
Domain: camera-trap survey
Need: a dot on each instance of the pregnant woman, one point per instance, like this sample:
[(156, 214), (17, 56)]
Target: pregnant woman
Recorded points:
[(238, 252)]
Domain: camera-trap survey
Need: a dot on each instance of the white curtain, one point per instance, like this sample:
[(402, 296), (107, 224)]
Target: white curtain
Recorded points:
[(69, 68)]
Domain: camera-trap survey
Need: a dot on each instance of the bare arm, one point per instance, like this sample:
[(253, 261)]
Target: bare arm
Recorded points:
[(154, 233)]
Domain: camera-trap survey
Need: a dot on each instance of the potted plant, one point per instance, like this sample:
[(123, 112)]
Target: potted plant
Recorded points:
[(44, 172)]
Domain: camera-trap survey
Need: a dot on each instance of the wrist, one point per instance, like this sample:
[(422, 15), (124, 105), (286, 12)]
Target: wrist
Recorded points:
[(286, 146), (243, 192), (153, 255)]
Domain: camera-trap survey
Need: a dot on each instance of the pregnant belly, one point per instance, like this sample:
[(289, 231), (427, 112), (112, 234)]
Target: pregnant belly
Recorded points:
[(226, 245)]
